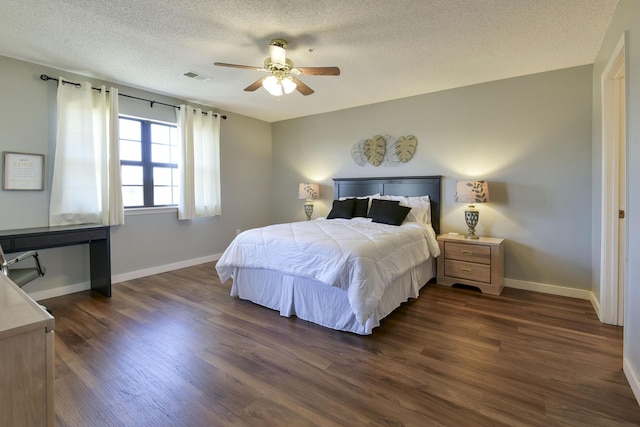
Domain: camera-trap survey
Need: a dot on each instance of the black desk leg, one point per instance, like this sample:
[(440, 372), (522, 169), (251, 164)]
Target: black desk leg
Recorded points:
[(100, 261)]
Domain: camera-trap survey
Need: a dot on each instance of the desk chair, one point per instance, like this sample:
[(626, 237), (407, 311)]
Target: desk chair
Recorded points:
[(21, 276)]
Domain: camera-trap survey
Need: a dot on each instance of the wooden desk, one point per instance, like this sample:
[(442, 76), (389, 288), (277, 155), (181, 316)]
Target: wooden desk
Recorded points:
[(97, 236)]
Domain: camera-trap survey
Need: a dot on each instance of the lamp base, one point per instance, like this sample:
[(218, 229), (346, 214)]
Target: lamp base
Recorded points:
[(471, 218), (308, 209)]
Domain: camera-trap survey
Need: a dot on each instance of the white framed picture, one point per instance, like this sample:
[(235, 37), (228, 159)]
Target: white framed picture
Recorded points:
[(23, 171)]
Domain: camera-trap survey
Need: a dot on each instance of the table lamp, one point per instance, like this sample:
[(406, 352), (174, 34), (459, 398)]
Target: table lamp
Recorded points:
[(472, 192), (309, 192)]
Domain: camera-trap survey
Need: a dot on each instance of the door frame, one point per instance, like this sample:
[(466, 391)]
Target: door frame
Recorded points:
[(613, 110)]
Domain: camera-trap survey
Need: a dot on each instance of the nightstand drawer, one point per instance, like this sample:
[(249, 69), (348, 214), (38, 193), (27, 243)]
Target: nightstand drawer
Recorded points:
[(466, 252), (467, 270)]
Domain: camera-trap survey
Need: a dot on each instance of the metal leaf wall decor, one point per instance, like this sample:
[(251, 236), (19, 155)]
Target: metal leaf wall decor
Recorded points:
[(375, 150), (384, 150), (406, 148)]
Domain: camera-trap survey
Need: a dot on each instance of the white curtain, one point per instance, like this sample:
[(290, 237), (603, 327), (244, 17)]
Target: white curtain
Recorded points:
[(86, 172), (112, 206), (199, 135)]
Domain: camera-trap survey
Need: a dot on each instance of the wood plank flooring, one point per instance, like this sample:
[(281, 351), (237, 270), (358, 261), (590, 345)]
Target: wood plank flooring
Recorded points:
[(176, 350)]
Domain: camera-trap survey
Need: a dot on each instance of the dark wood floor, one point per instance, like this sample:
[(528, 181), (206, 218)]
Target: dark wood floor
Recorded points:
[(176, 350)]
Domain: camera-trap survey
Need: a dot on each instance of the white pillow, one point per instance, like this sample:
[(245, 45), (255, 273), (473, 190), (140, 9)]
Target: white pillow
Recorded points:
[(420, 207)]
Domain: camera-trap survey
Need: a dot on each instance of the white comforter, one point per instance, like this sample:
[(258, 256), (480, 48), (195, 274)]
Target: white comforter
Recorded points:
[(357, 255)]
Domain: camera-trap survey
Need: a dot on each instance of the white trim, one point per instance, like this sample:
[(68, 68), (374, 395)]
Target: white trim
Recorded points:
[(59, 291), (129, 116), (610, 189), (545, 288), (632, 377), (85, 286), (164, 268), (151, 211), (596, 305)]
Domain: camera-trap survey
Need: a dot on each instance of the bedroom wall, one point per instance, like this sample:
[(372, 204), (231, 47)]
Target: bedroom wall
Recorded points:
[(626, 20), (147, 243), (529, 136)]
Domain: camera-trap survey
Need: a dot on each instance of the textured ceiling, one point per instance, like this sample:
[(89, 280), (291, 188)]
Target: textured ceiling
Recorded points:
[(385, 49)]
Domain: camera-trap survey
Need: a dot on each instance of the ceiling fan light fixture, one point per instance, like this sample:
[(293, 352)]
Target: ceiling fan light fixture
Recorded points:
[(272, 85), (288, 85), (281, 72)]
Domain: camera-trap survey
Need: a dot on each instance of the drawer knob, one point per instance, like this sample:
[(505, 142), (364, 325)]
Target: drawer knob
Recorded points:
[(465, 270), (467, 253)]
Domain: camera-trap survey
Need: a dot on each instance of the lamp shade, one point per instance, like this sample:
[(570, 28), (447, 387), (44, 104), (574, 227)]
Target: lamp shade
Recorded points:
[(278, 86), (308, 191), (472, 191), (272, 85), (288, 85)]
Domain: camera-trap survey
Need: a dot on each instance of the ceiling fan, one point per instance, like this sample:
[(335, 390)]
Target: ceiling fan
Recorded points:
[(282, 74)]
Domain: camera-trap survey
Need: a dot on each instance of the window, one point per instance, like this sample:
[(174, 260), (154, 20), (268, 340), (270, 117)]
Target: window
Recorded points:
[(149, 156)]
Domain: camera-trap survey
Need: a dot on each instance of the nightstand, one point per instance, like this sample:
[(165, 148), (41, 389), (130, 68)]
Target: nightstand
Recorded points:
[(478, 262)]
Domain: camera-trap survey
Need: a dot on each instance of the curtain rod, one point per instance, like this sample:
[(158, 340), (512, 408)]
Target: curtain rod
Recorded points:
[(45, 78)]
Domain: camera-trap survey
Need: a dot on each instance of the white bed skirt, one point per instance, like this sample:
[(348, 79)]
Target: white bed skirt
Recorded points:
[(319, 303)]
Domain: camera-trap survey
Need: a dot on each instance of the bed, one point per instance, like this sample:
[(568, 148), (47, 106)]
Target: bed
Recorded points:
[(343, 273)]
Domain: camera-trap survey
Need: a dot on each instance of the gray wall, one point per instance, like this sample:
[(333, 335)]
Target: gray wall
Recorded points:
[(625, 19), (27, 124), (529, 136)]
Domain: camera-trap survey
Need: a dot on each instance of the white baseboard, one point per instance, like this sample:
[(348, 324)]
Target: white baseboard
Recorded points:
[(163, 268), (59, 291), (596, 306), (550, 289), (632, 377), (84, 286)]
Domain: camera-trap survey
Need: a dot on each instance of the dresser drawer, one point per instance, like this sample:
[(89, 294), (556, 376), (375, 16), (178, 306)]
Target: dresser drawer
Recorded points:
[(467, 270), (466, 252)]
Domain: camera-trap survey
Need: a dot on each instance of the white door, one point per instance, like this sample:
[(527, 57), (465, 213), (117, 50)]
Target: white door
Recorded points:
[(613, 229), (622, 192)]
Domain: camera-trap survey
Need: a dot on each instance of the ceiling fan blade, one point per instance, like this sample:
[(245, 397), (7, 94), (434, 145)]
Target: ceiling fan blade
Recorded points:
[(301, 87), (246, 67), (255, 85), (319, 71)]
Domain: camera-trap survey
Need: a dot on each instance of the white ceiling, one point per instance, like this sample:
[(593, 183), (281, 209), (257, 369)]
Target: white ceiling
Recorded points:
[(385, 49)]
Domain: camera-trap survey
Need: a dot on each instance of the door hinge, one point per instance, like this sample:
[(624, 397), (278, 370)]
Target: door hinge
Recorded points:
[(621, 214)]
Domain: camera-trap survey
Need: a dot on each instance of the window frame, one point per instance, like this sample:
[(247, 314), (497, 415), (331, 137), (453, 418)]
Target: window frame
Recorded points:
[(147, 164)]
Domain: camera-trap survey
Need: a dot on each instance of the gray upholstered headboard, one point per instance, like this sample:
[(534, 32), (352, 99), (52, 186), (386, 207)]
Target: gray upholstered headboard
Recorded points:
[(398, 186)]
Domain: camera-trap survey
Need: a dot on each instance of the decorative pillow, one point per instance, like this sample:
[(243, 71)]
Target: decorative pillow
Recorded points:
[(361, 207), (377, 206), (388, 212), (368, 198), (342, 209)]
